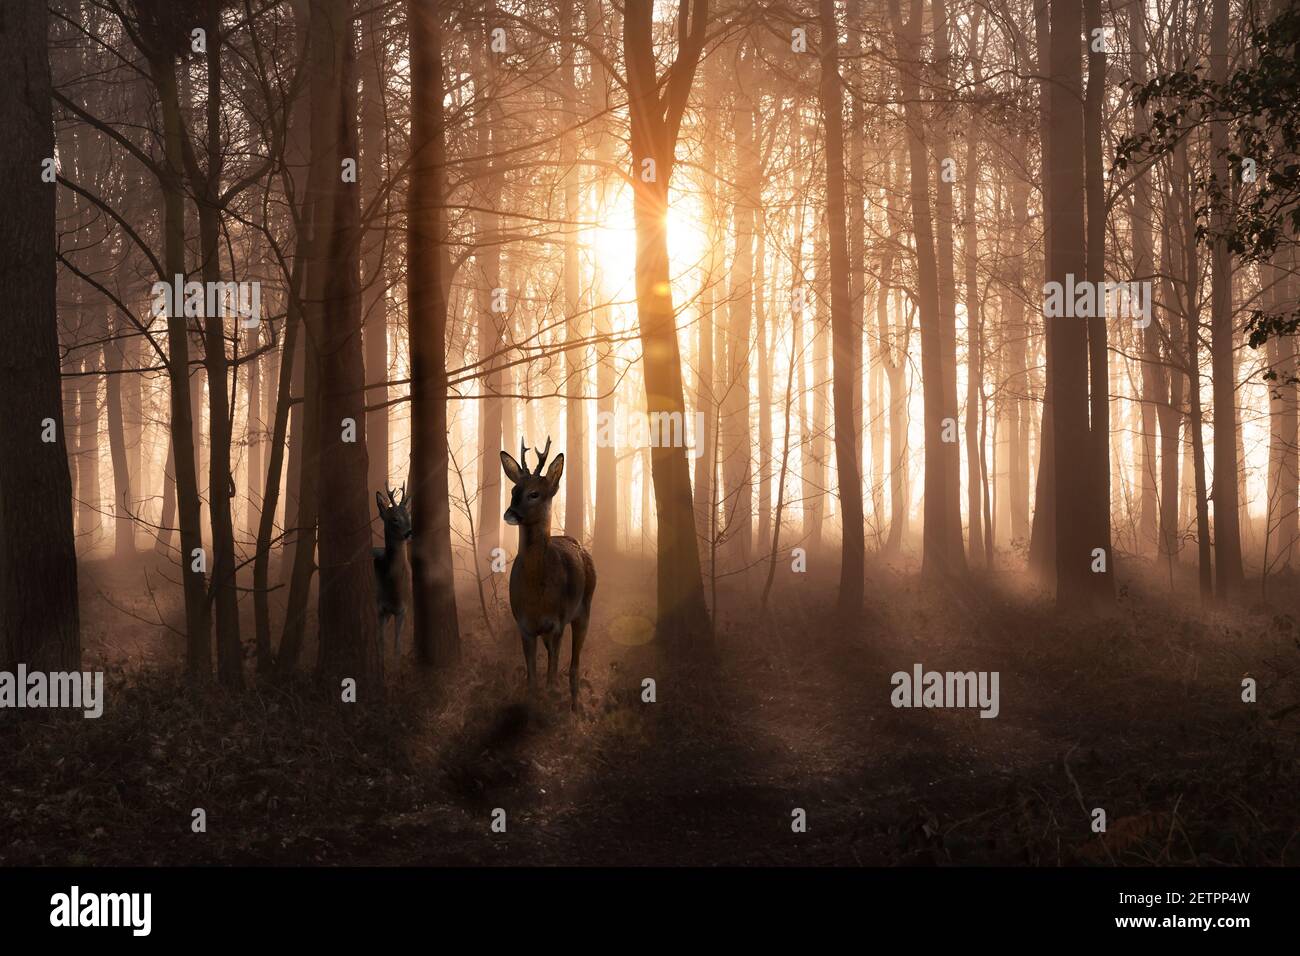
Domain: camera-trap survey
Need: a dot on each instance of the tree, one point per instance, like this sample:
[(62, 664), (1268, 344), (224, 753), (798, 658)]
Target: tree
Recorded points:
[(847, 455), (437, 631), (1067, 357), (655, 108), (349, 635), (1229, 576), (39, 616), (942, 556)]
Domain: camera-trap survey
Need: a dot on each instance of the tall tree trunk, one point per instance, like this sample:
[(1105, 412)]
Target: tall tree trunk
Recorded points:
[(198, 622), (855, 186), (605, 518), (1042, 533), (900, 397), (374, 296), (1284, 477), (492, 319), (90, 524), (437, 631), (220, 483), (654, 123), (114, 365), (1102, 571), (942, 552), (1017, 332), (764, 371), (254, 437), (349, 633), (39, 618), (881, 353), (1229, 575), (974, 320), (847, 457), (947, 460), (575, 356), (274, 466), (737, 438), (1067, 357), (1153, 384), (819, 394)]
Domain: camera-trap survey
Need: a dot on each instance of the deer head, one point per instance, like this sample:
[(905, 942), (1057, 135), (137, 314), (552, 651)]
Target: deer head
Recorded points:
[(530, 500), (396, 517)]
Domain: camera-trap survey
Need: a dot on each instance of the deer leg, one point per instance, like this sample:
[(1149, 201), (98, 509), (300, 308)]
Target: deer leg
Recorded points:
[(530, 659), (579, 635), (398, 621), (552, 654)]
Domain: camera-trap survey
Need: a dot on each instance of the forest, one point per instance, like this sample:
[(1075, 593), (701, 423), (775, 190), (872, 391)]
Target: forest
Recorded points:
[(884, 414)]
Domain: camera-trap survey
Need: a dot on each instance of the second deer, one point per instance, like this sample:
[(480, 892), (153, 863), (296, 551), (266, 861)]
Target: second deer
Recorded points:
[(553, 577), (392, 570)]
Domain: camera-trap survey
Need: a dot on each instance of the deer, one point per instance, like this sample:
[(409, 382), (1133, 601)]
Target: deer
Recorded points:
[(392, 571), (553, 577)]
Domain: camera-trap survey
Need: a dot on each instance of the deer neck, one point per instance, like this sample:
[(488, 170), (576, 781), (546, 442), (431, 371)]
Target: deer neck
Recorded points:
[(533, 538), (394, 548)]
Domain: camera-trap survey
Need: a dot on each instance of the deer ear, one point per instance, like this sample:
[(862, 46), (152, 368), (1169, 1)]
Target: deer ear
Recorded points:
[(383, 512), (554, 472), (512, 468)]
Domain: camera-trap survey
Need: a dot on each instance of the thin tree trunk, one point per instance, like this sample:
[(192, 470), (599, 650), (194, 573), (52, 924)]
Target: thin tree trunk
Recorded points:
[(575, 357), (737, 438), (1229, 574), (113, 359), (974, 320), (942, 555), (1102, 573), (947, 460), (374, 296), (220, 482), (198, 622), (847, 457)]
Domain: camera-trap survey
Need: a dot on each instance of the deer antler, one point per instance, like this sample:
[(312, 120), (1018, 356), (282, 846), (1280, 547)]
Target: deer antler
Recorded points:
[(541, 460), (403, 501), (523, 455), (389, 491)]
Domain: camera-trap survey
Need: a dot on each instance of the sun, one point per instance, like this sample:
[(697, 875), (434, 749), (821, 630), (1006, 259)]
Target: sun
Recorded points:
[(612, 248)]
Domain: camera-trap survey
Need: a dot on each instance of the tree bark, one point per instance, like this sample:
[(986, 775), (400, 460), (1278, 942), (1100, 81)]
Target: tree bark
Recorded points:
[(847, 456), (654, 122), (437, 631), (349, 633), (1067, 357), (39, 617), (1229, 574)]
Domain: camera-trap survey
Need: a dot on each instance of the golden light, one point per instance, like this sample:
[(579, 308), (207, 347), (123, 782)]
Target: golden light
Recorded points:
[(612, 247)]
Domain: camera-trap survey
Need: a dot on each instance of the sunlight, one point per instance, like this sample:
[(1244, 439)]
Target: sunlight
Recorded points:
[(612, 245)]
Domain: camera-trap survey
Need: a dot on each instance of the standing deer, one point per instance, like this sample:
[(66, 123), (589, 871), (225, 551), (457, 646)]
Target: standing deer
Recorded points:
[(392, 572), (553, 578)]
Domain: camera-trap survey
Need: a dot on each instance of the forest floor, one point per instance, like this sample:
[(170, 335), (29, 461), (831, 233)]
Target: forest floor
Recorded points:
[(1138, 712)]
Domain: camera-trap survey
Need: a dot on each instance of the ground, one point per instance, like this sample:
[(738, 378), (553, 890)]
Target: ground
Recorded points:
[(1137, 712)]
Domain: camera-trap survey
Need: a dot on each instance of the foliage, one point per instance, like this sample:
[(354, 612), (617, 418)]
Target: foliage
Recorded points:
[(1258, 103)]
